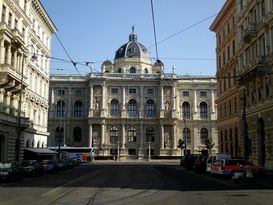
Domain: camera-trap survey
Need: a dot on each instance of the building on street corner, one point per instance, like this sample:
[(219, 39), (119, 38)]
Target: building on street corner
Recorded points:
[(25, 38), (132, 108), (250, 25)]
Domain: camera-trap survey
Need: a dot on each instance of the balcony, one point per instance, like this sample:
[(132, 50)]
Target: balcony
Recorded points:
[(249, 33), (259, 66)]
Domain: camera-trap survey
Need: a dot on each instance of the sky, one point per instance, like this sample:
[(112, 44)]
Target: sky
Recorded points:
[(92, 30)]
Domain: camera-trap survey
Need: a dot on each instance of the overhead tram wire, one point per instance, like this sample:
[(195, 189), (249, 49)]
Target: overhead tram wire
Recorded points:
[(183, 30), (74, 63), (152, 7)]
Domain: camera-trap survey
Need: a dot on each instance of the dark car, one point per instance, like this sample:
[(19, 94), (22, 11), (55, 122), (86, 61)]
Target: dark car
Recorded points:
[(50, 166), (62, 165), (10, 172), (69, 163), (32, 168), (187, 161), (200, 164)]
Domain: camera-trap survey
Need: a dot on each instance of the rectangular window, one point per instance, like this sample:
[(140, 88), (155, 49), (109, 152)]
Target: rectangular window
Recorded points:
[(60, 92), (114, 91), (9, 21), (150, 91), (131, 151), (186, 93), (78, 92), (16, 24), (132, 90), (203, 94), (3, 14)]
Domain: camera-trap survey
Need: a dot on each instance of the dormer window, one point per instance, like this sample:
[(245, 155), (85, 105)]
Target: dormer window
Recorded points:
[(132, 70)]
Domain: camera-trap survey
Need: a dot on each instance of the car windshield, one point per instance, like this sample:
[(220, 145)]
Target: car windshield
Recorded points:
[(5, 165), (236, 162)]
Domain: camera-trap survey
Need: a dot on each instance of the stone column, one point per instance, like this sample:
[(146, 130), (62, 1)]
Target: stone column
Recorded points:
[(2, 51), (102, 134), (141, 101), (103, 103), (142, 142), (8, 55), (123, 111), (174, 137), (212, 102), (123, 134), (162, 137), (90, 135), (91, 108), (2, 92), (194, 105), (14, 60), (174, 102), (13, 104), (162, 101)]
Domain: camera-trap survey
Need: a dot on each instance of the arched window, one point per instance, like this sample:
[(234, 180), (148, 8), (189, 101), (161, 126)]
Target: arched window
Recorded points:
[(43, 145), (60, 108), (77, 134), (150, 108), (203, 110), (146, 71), (203, 136), (114, 135), (132, 134), (32, 143), (78, 109), (59, 136), (150, 134), (132, 70), (187, 135), (38, 144), (186, 110), (119, 70), (28, 143), (114, 108), (132, 108)]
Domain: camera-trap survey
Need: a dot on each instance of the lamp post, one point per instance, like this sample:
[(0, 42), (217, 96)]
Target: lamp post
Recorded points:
[(118, 150), (19, 129), (185, 134), (149, 149)]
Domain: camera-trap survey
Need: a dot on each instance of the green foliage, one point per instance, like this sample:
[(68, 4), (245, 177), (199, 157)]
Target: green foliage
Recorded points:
[(180, 144), (209, 144)]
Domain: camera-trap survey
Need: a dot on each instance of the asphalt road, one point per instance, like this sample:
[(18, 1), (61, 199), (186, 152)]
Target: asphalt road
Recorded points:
[(132, 183)]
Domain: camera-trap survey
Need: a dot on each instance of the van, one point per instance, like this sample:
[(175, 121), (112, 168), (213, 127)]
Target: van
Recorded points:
[(212, 158)]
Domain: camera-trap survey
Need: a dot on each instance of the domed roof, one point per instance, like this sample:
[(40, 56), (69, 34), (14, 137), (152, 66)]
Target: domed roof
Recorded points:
[(132, 49), (107, 63)]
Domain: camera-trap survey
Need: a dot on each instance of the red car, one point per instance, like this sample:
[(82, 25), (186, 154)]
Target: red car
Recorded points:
[(228, 166)]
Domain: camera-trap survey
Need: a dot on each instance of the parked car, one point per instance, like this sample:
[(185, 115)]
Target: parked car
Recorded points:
[(62, 165), (229, 166), (76, 161), (10, 172), (50, 166), (212, 158), (200, 164), (69, 163), (187, 161), (32, 168)]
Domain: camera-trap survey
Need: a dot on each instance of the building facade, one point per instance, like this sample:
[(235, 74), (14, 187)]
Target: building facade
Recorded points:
[(132, 108), (25, 38), (228, 100), (252, 61), (255, 71)]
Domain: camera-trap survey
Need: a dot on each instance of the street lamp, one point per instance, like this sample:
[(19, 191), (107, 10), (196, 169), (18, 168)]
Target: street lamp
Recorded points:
[(185, 134), (19, 130), (149, 149)]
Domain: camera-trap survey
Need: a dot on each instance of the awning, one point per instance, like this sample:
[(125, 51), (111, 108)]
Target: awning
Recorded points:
[(41, 151)]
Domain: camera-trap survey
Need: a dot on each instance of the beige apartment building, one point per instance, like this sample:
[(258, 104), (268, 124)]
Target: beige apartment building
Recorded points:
[(25, 38), (250, 25), (228, 100), (255, 72), (131, 107)]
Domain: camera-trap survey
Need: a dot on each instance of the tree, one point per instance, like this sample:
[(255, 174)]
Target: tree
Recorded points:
[(209, 144)]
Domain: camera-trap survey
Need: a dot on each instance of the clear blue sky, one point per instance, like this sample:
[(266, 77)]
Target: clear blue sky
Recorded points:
[(92, 30)]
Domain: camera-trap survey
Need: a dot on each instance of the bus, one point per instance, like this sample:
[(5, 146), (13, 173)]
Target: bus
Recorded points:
[(85, 154)]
